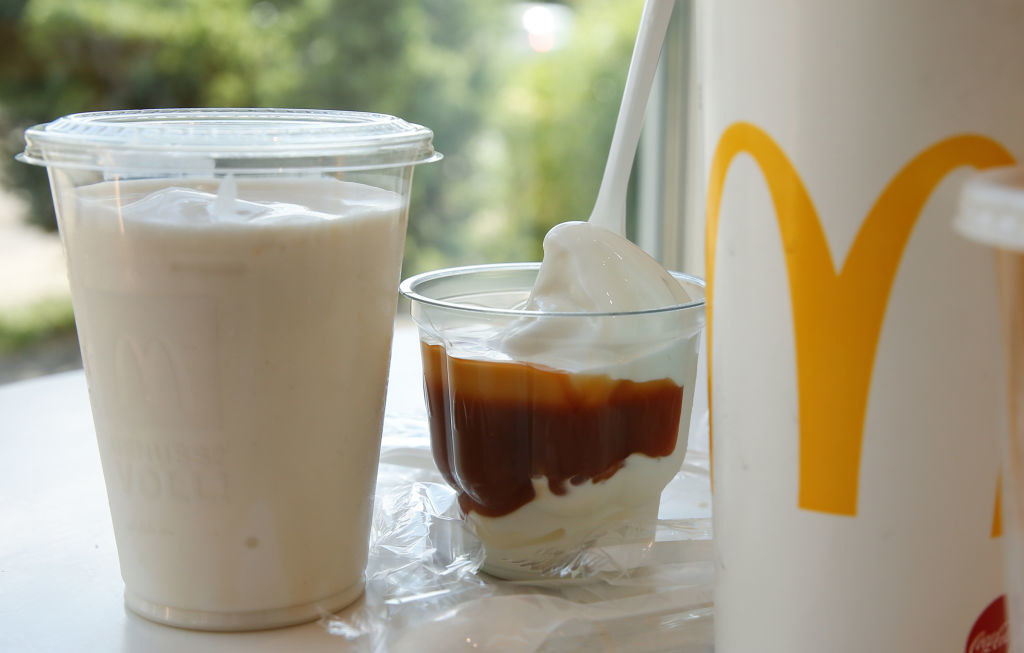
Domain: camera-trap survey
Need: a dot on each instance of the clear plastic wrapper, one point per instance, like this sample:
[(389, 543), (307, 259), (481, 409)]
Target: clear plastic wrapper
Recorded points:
[(425, 591)]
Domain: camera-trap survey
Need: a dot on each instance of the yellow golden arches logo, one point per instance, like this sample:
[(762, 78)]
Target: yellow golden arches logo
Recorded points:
[(837, 316)]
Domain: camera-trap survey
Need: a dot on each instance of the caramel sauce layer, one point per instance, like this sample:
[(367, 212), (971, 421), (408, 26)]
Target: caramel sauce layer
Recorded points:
[(495, 425)]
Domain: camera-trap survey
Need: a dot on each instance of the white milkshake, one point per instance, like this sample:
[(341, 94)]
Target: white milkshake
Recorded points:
[(233, 273), (237, 460)]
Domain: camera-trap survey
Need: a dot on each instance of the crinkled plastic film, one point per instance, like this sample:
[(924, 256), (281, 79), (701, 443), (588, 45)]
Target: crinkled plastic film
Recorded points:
[(425, 593)]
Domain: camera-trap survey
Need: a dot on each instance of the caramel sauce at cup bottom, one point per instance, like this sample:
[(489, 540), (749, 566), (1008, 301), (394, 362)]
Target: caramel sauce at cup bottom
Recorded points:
[(495, 425)]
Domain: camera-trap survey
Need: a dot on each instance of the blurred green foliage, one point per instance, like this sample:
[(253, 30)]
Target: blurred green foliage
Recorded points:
[(525, 134), (37, 321)]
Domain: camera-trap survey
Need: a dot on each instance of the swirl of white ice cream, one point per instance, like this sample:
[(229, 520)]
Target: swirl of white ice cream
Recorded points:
[(589, 269), (592, 271)]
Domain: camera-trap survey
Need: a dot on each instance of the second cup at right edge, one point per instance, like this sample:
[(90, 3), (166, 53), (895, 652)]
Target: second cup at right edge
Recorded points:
[(992, 213)]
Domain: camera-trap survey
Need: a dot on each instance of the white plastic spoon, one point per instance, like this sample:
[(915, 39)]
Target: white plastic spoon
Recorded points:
[(610, 208)]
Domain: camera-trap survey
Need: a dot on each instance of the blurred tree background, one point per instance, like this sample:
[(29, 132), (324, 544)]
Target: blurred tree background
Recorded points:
[(524, 118)]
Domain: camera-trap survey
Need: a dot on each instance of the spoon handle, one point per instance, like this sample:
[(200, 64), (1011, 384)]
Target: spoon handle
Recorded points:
[(610, 208)]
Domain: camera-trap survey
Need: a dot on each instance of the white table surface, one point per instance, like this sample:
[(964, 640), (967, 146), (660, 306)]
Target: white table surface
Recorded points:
[(60, 585)]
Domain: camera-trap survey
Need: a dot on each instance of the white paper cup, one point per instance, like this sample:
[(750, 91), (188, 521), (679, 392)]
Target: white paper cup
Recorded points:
[(853, 337)]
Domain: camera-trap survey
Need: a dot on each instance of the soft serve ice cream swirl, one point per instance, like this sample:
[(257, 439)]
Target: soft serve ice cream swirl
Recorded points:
[(590, 270)]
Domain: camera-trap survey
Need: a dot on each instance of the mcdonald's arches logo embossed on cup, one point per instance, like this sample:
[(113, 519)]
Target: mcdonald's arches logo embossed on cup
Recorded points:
[(856, 375)]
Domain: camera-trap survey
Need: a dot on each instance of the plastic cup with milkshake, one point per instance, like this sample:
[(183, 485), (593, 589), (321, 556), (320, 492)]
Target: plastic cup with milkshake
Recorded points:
[(233, 274)]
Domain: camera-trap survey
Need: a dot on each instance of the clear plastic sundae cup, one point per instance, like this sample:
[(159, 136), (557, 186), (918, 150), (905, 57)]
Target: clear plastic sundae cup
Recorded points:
[(559, 430)]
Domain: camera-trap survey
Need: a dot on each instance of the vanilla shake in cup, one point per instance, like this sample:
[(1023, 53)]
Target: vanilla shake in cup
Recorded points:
[(233, 274), (992, 213)]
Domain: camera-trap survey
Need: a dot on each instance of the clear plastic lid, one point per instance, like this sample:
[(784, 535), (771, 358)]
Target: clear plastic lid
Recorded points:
[(228, 140), (992, 208)]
